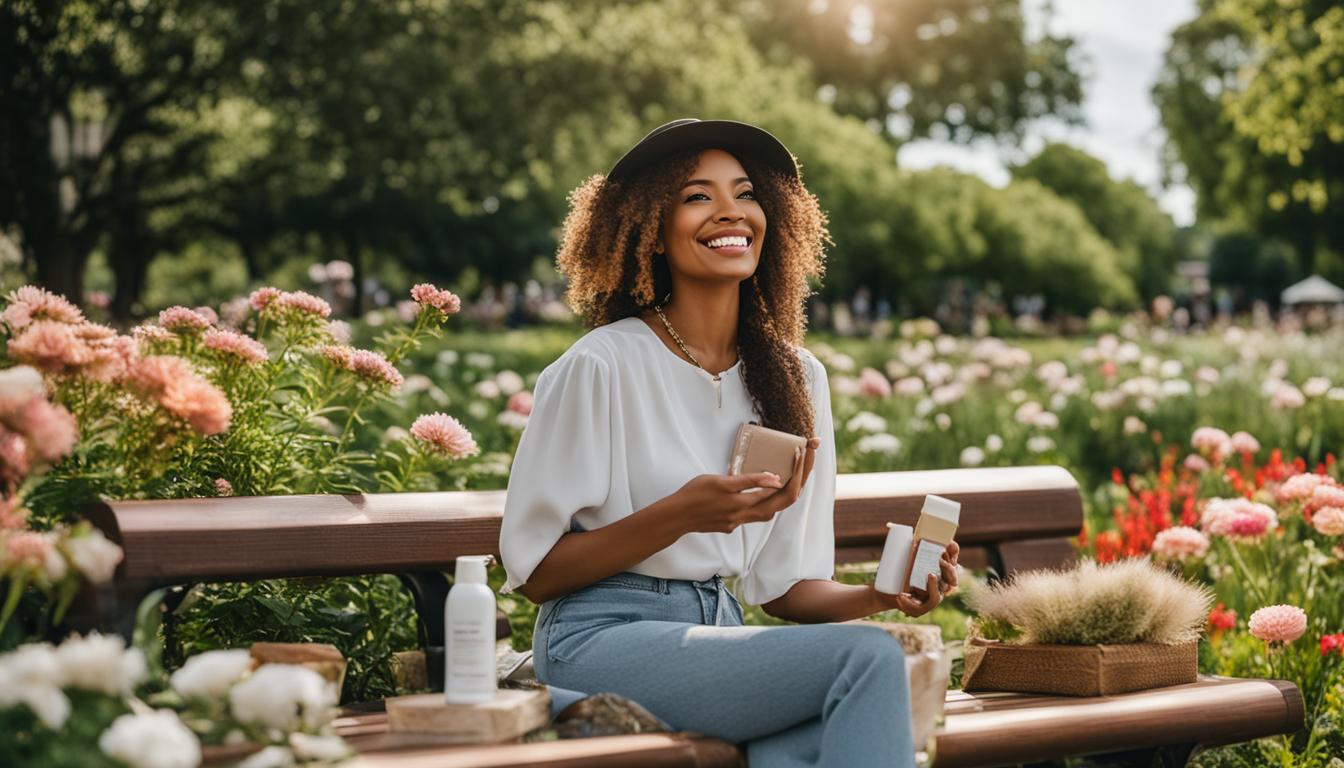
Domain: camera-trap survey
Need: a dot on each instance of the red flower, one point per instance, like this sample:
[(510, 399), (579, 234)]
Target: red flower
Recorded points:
[(1109, 546), (1117, 476), (1332, 644), (1220, 619)]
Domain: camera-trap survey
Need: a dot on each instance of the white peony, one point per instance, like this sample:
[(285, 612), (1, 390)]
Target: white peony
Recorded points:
[(993, 443), (866, 421), (209, 675), (880, 443), (972, 456), (101, 663), (284, 696), (156, 739), (31, 675), (509, 382), (94, 556)]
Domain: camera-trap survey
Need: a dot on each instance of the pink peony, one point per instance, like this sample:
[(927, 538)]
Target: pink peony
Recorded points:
[(427, 295), (1237, 518), (1211, 442), (445, 435), (303, 302), (263, 297), (245, 348), (372, 365), (29, 303), (1245, 442), (1180, 543), (223, 487), (1278, 623), (521, 402), (50, 429), (1329, 521), (183, 320), (51, 346), (1300, 487), (873, 384)]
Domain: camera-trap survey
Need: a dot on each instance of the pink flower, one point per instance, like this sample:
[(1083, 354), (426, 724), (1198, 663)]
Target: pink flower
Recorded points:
[(263, 297), (1245, 442), (27, 548), (1278, 623), (372, 365), (14, 463), (427, 295), (1211, 442), (1196, 463), (521, 402), (150, 334), (1329, 521), (180, 391), (50, 346), (1180, 543), (245, 348), (111, 357), (1286, 397), (152, 375), (1325, 495), (223, 487), (50, 429), (338, 355), (303, 302), (1237, 518), (445, 435), (181, 319), (12, 515), (873, 384), (209, 313), (29, 303), (1300, 487)]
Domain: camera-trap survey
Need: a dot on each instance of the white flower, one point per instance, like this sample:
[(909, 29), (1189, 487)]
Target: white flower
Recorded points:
[(1058, 401), (1316, 386), (156, 739), (1017, 396), (270, 757), (943, 421), (1335, 393), (909, 386), (1040, 444), (94, 556), (842, 362), (1207, 374), (339, 330), (1287, 396), (1128, 352), (948, 393), (511, 419), (993, 443), (509, 382), (54, 567), (209, 675), (31, 675), (1175, 388), (19, 385), (866, 421), (881, 443), (945, 345), (284, 696), (308, 747), (924, 407), (1046, 420), (101, 663), (1135, 426), (1170, 369), (972, 456), (478, 409), (1027, 412), (447, 358), (480, 360), (487, 389)]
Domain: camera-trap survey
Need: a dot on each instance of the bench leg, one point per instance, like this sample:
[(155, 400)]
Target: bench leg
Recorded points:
[(429, 589)]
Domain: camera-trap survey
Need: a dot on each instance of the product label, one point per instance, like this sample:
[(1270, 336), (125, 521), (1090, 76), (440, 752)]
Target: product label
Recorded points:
[(926, 562), (470, 652)]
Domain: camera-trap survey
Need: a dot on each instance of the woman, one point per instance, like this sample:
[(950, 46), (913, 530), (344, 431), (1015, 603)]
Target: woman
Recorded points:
[(691, 259)]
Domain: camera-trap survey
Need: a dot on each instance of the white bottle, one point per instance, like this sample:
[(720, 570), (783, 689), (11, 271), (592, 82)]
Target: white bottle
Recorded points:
[(469, 635)]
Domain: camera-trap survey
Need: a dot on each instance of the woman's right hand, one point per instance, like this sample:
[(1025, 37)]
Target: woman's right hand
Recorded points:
[(720, 503)]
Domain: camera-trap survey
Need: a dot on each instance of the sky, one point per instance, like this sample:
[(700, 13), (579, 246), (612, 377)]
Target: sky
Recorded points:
[(1123, 43)]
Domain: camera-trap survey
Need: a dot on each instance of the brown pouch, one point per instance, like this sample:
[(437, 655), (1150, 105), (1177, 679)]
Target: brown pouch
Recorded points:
[(761, 449)]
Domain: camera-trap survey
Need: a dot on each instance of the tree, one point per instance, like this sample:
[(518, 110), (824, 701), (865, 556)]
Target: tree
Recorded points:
[(1120, 211)]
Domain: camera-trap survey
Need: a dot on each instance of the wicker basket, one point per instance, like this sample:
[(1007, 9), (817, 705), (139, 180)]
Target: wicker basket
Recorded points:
[(1077, 670)]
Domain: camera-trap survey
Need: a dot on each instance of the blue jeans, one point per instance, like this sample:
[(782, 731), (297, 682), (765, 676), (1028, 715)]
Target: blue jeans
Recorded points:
[(794, 695)]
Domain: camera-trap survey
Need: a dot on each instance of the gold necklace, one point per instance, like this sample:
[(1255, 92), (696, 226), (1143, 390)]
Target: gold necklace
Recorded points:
[(718, 394)]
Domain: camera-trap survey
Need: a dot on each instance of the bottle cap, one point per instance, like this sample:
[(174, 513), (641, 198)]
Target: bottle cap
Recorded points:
[(945, 509), (471, 569)]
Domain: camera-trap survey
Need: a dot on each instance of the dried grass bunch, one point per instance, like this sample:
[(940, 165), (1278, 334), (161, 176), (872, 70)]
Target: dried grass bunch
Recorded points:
[(1129, 601)]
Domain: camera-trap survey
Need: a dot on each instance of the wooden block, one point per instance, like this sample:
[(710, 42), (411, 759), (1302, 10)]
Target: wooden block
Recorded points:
[(323, 659), (511, 714), (409, 670)]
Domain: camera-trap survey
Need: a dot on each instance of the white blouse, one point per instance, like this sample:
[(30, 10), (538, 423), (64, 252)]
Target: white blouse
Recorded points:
[(620, 421)]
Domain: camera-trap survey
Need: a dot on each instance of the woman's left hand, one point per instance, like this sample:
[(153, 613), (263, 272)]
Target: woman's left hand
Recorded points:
[(934, 591)]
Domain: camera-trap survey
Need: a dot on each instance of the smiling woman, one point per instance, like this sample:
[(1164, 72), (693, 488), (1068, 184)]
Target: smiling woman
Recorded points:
[(691, 261)]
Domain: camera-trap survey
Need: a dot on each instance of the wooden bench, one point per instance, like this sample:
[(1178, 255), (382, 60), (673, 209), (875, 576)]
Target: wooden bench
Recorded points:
[(1012, 519)]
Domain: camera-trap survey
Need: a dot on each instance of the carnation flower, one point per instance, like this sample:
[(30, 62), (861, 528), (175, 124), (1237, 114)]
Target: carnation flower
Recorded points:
[(909, 386), (50, 429), (1237, 518), (445, 435), (1300, 487), (1278, 623), (245, 348), (1324, 495), (428, 296), (1245, 442), (1211, 442), (303, 302), (94, 556), (183, 320), (223, 487), (1180, 543), (101, 663), (28, 303), (1328, 521), (373, 366), (284, 696), (521, 402), (155, 739), (1286, 397), (263, 297), (209, 675), (50, 346), (873, 384), (1196, 463)]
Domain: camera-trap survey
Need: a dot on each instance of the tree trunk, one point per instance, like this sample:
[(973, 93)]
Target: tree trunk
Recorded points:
[(60, 265), (354, 252)]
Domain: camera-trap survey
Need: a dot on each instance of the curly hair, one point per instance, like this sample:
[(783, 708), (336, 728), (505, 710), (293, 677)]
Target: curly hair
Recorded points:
[(611, 254)]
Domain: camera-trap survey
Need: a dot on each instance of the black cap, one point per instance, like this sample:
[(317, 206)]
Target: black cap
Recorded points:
[(741, 139)]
